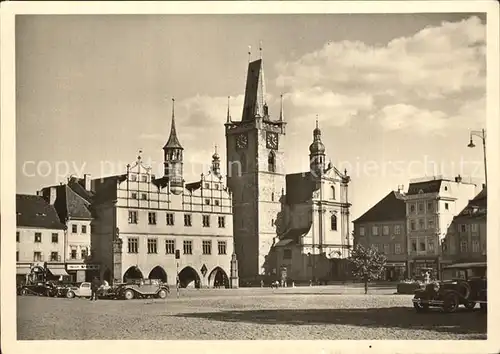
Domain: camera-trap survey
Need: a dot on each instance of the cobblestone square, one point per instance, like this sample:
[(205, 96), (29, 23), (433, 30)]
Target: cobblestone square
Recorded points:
[(331, 312)]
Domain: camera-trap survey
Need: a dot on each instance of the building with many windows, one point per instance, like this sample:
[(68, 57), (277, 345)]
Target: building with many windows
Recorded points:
[(141, 222), (40, 237), (72, 202), (466, 240), (292, 226), (384, 227), (431, 205)]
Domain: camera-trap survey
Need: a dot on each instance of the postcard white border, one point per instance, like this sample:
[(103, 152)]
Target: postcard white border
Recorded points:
[(8, 177)]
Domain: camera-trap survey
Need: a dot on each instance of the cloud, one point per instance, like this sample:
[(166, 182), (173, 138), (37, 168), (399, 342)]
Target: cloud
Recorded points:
[(411, 74)]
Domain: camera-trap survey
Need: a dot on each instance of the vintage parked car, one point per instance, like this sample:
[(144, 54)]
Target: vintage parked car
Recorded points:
[(143, 289), (80, 290), (461, 284), (39, 289)]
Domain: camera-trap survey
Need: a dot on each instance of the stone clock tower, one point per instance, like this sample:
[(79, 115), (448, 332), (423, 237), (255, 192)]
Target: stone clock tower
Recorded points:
[(256, 174)]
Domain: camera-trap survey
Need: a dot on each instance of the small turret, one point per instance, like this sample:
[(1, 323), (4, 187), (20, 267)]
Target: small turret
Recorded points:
[(216, 163), (173, 159)]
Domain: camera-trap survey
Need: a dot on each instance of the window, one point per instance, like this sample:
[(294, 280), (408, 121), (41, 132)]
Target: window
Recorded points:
[(144, 196), (54, 256), (271, 162), (333, 192), (375, 230), (446, 206), (144, 178), (74, 229), (412, 208), (272, 222), (430, 224), (387, 248), (421, 224), (333, 222), (187, 219), (221, 245), (272, 197), (152, 218), (84, 229), (412, 225), (430, 206), (17, 236), (132, 217), (133, 195), (206, 220), (207, 201), (169, 246), (287, 254), (17, 256), (475, 246), (422, 246), (463, 228), (37, 256), (397, 248), (216, 202), (361, 231), (170, 219), (397, 229), (414, 246), (188, 247), (84, 253), (420, 207), (133, 245), (216, 186), (430, 245), (207, 186), (222, 221), (207, 247), (73, 254), (133, 178), (385, 230), (152, 245), (38, 237), (463, 246), (474, 227), (375, 246)]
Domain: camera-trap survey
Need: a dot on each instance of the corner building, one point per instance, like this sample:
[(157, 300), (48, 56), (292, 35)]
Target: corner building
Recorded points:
[(290, 226), (141, 221)]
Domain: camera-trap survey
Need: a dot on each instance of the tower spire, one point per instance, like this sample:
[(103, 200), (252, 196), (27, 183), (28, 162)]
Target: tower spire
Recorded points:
[(281, 108), (173, 141), (228, 113), (249, 53)]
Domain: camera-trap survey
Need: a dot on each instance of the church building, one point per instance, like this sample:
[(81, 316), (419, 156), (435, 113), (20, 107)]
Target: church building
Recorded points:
[(293, 226)]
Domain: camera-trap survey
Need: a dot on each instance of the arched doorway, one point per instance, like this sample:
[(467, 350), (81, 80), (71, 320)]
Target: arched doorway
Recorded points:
[(132, 273), (218, 278), (189, 278), (158, 273)]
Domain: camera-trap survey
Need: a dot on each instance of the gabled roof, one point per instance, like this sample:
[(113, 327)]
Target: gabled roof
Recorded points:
[(78, 188), (476, 208), (391, 208), (34, 211), (68, 203)]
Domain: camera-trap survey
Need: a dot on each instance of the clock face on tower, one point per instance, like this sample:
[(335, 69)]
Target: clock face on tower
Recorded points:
[(241, 141), (272, 140)]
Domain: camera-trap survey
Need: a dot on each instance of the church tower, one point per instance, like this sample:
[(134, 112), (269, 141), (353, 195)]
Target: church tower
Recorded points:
[(172, 158), (256, 174), (317, 154)]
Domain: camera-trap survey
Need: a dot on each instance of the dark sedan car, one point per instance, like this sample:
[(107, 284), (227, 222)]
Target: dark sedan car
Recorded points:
[(462, 284)]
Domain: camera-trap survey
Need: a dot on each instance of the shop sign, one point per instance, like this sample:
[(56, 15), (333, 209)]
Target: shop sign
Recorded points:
[(82, 267), (395, 264)]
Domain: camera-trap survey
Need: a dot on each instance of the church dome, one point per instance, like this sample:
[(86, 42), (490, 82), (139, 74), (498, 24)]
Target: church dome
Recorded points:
[(215, 156), (317, 147)]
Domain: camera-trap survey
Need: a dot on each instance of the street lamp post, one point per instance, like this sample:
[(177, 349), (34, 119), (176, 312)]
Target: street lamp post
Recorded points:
[(482, 135)]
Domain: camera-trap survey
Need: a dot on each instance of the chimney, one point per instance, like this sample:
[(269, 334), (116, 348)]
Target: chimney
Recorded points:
[(458, 179), (86, 181), (53, 195), (39, 193)]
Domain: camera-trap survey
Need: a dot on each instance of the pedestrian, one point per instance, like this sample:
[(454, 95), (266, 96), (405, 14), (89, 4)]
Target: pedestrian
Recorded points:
[(94, 286)]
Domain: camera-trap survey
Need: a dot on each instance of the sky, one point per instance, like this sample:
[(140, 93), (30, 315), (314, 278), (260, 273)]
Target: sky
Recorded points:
[(396, 95)]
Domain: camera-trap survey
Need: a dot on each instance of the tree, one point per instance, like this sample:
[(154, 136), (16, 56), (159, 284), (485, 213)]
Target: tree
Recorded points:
[(367, 264)]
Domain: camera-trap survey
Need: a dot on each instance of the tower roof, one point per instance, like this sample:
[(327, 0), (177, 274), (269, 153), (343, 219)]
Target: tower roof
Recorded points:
[(173, 141), (254, 92), (317, 147)]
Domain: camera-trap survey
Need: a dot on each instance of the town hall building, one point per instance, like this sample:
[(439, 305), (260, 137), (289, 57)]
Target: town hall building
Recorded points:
[(293, 226)]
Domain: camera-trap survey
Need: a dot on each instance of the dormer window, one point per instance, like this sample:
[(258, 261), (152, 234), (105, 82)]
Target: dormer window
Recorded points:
[(420, 191)]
